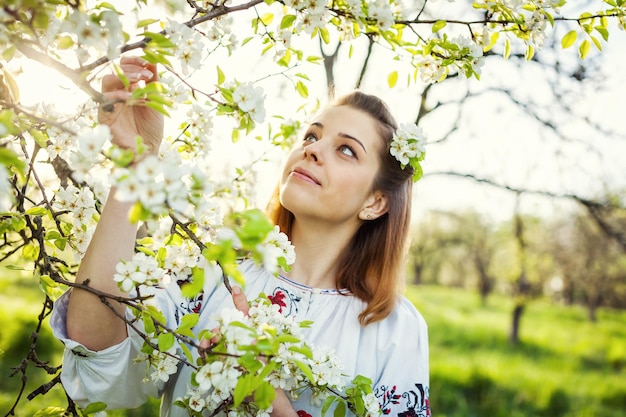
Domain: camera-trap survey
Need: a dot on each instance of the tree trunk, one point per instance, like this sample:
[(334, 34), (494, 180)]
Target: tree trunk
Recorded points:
[(515, 324), (417, 274)]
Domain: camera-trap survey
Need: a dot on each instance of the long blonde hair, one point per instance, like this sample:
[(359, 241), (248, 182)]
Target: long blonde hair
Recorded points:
[(372, 265)]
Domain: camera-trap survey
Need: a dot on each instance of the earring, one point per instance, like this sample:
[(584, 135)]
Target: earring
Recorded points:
[(369, 217)]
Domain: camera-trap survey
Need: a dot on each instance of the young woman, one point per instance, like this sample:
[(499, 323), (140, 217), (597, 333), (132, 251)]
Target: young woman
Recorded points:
[(343, 200)]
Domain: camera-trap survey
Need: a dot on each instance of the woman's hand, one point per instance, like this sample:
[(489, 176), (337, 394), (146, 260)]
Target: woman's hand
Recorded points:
[(131, 118)]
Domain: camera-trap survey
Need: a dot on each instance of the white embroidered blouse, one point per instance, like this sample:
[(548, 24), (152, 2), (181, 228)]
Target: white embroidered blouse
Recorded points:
[(393, 352)]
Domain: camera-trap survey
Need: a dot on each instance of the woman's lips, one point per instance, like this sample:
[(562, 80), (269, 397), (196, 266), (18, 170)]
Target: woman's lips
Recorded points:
[(305, 175)]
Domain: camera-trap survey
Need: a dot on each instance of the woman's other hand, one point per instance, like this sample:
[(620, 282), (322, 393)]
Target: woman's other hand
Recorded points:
[(131, 118)]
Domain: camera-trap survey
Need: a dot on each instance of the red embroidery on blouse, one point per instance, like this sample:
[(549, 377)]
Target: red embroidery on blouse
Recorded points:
[(279, 299)]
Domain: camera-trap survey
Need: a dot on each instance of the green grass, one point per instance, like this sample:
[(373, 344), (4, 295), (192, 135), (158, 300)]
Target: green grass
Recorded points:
[(565, 366)]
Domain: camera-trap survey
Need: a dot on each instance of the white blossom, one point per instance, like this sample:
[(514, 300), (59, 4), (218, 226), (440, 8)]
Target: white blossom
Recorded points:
[(275, 247), (190, 50), (140, 270), (162, 365), (250, 99), (430, 70), (408, 143)]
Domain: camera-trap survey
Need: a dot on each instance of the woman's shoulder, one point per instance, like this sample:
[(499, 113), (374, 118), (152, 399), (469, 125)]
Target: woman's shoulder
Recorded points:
[(404, 319)]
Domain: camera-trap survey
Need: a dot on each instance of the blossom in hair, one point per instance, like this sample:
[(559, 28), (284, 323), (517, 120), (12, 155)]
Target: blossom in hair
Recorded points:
[(409, 147)]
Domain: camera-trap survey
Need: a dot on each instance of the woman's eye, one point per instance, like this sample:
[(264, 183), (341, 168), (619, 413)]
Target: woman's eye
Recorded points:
[(346, 150), (309, 137)]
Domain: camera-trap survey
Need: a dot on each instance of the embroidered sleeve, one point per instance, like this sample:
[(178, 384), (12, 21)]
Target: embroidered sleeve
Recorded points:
[(403, 386), (411, 403)]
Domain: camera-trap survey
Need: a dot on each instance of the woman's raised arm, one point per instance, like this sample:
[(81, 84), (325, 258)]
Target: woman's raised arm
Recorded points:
[(89, 321)]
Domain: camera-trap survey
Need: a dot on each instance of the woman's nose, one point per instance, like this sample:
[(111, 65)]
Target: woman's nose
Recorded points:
[(314, 151)]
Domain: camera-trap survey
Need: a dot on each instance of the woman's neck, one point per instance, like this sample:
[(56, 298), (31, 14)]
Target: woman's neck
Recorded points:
[(318, 249)]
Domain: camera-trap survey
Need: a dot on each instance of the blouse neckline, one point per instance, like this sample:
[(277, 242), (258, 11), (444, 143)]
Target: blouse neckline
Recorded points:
[(304, 287)]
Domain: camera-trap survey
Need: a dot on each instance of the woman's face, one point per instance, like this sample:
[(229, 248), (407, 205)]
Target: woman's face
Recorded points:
[(329, 175)]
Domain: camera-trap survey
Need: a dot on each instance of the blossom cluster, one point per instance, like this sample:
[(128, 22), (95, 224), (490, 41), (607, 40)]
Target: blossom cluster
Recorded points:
[(224, 366), (460, 52), (80, 204), (101, 31), (534, 14), (161, 184), (162, 365), (277, 251), (409, 147), (189, 48), (140, 270), (249, 99)]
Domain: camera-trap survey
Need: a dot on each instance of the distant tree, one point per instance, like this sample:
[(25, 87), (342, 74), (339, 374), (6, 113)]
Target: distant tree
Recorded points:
[(591, 264)]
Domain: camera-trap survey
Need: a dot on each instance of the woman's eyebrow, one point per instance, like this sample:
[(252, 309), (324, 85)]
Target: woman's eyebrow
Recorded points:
[(341, 134)]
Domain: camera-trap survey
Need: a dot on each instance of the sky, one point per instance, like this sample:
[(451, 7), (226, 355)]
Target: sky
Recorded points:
[(494, 140)]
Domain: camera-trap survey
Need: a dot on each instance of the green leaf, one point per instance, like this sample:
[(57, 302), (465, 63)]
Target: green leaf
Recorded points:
[(158, 107), (107, 5), (193, 288), (603, 32), (9, 158), (220, 76), (40, 137), (438, 25), (187, 352), (306, 369), (148, 323), (188, 321), (325, 35), (583, 49), (493, 39), (120, 74), (340, 409), (65, 42), (60, 243), (235, 136), (245, 386), (264, 395), (596, 42), (30, 252), (392, 79), (287, 21), (302, 89), (507, 49), (47, 285), (327, 403), (146, 22), (267, 18), (95, 407), (50, 412), (569, 39), (36, 211), (137, 213), (165, 341)]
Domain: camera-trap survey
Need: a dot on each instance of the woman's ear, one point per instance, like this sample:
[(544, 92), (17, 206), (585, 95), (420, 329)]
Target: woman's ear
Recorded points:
[(374, 207)]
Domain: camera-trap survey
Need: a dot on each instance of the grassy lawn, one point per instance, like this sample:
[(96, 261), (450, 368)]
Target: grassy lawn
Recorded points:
[(565, 365)]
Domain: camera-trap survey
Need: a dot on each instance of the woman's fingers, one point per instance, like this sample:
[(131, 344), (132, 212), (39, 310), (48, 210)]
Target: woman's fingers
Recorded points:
[(134, 73), (135, 68), (240, 300)]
